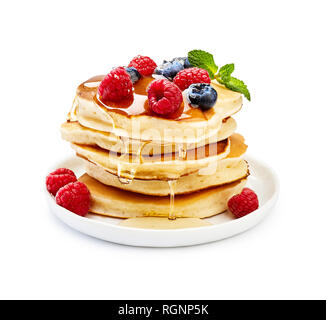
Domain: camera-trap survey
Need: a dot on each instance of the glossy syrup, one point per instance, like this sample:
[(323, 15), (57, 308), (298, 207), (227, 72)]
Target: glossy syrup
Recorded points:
[(137, 104), (172, 214), (126, 176)]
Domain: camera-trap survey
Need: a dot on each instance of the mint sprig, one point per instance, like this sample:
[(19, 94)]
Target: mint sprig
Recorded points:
[(205, 60), (235, 84), (225, 73)]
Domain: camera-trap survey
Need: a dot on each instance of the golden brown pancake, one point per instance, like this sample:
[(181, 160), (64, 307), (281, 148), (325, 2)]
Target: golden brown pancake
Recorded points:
[(226, 170), (78, 134), (156, 167), (110, 201), (133, 119)]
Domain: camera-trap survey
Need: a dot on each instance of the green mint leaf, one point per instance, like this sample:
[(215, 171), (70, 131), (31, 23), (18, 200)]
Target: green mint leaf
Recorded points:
[(225, 72), (239, 86), (204, 60)]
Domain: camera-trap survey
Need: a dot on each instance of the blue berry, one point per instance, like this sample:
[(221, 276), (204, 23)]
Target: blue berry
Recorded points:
[(202, 95), (133, 73), (171, 69), (159, 69), (184, 61), (187, 64)]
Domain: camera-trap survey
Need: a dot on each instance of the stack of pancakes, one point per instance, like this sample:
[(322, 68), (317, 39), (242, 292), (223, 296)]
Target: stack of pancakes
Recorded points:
[(139, 164)]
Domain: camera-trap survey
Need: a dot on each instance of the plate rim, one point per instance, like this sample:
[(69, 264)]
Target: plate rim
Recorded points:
[(256, 215)]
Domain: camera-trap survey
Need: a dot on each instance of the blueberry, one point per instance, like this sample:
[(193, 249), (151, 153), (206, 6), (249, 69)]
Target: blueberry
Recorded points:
[(202, 95), (187, 64), (184, 61), (160, 68), (171, 70), (133, 73)]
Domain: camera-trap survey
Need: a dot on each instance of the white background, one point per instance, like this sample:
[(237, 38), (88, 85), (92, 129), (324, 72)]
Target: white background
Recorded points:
[(278, 47)]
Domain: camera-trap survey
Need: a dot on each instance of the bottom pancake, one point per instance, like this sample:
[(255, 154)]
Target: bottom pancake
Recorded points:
[(110, 201)]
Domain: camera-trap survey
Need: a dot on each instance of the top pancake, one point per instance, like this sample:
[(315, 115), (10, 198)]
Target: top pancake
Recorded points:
[(133, 118)]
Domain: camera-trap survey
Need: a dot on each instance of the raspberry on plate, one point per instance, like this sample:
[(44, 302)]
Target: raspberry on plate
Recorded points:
[(59, 178), (116, 86), (189, 76), (144, 65), (164, 97), (75, 197), (243, 203)]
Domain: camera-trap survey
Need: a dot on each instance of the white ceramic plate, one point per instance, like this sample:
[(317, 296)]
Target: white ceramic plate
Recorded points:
[(262, 179)]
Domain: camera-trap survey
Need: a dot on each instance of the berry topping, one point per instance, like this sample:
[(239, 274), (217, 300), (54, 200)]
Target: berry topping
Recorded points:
[(189, 76), (59, 178), (145, 65), (164, 97), (184, 61), (202, 95), (133, 73), (169, 69), (159, 69), (116, 86), (75, 197), (243, 203)]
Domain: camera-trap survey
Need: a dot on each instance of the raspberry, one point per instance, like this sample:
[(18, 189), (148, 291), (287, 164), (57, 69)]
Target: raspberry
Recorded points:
[(63, 171), (59, 178), (186, 77), (144, 65), (75, 197), (164, 97), (243, 203), (116, 86)]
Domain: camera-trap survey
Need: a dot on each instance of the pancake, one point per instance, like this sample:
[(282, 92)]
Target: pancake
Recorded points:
[(110, 201), (183, 165), (225, 173), (133, 119), (226, 170), (78, 134), (155, 167)]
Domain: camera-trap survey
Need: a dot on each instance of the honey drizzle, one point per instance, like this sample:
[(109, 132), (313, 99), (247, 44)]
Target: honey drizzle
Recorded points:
[(182, 151), (72, 113), (126, 156), (121, 171), (172, 215)]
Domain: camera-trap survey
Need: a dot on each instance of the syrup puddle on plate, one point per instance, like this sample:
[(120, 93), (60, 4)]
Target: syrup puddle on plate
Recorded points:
[(163, 223)]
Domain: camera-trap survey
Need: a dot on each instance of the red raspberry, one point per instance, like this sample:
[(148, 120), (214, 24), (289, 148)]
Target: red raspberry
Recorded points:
[(243, 203), (59, 178), (63, 171), (186, 77), (74, 197), (164, 97), (116, 86), (144, 65)]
